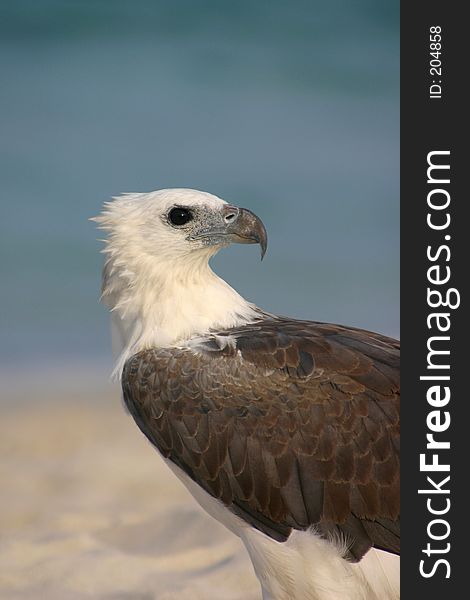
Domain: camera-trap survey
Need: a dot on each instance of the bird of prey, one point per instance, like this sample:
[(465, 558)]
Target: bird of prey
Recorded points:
[(284, 430)]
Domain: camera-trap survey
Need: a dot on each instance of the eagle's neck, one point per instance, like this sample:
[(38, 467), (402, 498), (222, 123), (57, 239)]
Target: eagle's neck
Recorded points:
[(166, 304)]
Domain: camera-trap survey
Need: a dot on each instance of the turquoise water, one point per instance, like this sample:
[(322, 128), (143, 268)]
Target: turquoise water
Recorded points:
[(290, 109)]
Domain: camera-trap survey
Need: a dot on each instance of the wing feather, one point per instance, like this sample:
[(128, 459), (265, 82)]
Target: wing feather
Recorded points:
[(297, 424)]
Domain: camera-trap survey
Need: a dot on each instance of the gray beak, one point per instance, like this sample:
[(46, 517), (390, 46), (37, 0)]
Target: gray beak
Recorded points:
[(235, 225), (244, 227)]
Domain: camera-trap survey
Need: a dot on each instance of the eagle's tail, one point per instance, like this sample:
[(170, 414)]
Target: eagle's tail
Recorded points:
[(382, 571), (308, 567)]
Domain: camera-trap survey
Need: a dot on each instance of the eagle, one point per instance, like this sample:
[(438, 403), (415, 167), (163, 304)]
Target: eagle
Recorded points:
[(284, 430)]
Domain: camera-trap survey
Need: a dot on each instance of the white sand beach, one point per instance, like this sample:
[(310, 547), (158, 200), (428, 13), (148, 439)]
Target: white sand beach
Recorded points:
[(89, 510)]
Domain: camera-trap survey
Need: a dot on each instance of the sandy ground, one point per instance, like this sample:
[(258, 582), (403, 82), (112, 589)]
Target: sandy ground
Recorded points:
[(89, 510)]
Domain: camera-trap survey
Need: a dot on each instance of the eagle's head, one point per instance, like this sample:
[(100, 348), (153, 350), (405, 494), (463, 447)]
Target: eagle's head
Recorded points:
[(174, 224), (156, 278)]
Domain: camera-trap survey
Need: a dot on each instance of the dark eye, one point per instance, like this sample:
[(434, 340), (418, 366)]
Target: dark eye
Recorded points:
[(180, 216)]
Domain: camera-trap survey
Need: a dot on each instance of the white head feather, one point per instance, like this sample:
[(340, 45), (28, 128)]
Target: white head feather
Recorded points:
[(156, 281)]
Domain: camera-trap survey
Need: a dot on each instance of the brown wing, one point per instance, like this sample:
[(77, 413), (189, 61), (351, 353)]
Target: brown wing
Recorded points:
[(288, 423)]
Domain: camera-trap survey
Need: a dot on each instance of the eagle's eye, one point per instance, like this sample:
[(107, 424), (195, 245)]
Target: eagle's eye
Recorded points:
[(180, 216)]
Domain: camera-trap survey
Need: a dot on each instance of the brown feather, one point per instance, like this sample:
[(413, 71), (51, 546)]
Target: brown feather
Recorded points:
[(294, 425)]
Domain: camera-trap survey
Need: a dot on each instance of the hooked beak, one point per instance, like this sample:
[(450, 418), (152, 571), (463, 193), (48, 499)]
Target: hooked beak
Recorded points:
[(236, 225)]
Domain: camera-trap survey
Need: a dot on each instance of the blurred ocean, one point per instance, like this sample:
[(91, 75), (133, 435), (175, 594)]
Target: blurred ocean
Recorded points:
[(290, 109)]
